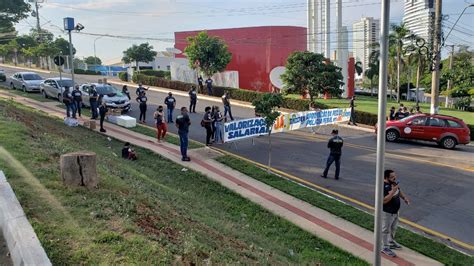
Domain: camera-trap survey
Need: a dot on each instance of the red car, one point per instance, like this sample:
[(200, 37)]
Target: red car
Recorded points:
[(447, 131)]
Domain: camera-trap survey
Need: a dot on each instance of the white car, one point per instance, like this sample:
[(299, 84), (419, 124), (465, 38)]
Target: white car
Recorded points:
[(26, 81), (54, 87), (113, 97)]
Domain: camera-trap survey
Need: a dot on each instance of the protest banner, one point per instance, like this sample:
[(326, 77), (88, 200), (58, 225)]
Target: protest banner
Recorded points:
[(253, 127)]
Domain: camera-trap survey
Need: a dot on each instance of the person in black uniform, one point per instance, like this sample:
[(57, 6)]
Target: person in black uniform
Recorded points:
[(391, 116), (93, 100), (207, 123), (170, 102), (353, 116), (142, 99), (102, 112), (69, 102), (391, 205), (201, 85), (182, 123), (126, 91), (192, 99), (77, 97), (227, 108), (335, 147), (140, 90)]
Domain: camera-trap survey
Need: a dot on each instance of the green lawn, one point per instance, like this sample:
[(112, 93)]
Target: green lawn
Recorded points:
[(370, 104), (32, 95), (144, 212), (433, 249)]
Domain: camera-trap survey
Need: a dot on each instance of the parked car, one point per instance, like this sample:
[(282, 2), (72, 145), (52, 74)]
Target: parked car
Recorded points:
[(113, 97), (445, 130), (26, 81), (3, 77), (54, 87)]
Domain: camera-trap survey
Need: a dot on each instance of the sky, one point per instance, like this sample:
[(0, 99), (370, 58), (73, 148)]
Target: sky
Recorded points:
[(159, 19)]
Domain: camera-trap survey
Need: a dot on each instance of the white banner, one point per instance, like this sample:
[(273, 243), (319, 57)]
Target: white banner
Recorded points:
[(253, 127)]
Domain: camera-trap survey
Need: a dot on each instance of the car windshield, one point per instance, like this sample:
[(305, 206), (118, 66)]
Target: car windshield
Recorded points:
[(108, 89), (406, 118), (66, 83), (32, 77)]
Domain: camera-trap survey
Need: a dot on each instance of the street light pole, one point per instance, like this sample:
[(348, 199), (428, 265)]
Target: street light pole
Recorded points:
[(71, 56), (381, 123), (437, 49), (95, 57)]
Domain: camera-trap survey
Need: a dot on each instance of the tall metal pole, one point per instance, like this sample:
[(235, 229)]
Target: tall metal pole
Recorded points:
[(437, 49), (38, 26), (71, 56), (95, 57), (450, 84), (384, 31)]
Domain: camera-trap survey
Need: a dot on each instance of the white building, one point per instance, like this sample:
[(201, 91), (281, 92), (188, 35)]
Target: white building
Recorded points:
[(162, 61), (319, 21), (365, 34), (419, 18)]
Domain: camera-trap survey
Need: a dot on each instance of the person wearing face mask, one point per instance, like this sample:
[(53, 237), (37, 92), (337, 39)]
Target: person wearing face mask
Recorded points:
[(142, 99), (170, 102), (161, 126), (182, 123)]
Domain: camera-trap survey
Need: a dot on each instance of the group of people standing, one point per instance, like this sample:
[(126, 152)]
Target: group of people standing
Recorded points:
[(402, 112)]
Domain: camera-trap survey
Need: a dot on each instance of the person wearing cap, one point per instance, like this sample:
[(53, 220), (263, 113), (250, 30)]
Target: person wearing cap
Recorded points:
[(170, 102), (335, 146)]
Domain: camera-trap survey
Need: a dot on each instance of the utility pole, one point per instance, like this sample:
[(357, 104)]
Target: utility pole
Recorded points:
[(381, 123), (38, 26), (450, 83), (436, 60)]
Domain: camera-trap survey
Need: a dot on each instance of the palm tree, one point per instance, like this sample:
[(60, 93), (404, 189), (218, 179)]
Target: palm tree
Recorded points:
[(374, 64), (418, 55), (397, 38)]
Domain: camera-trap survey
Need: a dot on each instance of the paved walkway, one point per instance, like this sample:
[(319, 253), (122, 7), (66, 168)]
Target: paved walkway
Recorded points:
[(337, 231)]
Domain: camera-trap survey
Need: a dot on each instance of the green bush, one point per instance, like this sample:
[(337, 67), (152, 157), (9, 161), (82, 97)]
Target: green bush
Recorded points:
[(123, 76), (366, 118), (156, 73), (86, 72)]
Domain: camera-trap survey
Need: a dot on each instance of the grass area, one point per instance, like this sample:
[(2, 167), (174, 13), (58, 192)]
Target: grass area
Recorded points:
[(424, 245), (144, 212), (32, 95), (370, 104)]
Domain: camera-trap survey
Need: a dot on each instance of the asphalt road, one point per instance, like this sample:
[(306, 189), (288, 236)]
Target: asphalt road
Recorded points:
[(440, 183)]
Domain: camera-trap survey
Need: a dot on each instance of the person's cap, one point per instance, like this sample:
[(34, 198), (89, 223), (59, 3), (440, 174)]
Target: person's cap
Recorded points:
[(335, 131)]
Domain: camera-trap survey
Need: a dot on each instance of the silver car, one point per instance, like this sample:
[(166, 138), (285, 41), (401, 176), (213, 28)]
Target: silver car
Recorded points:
[(26, 81), (113, 97), (54, 87)]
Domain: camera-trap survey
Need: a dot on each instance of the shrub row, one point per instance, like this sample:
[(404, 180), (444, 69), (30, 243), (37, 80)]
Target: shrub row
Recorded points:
[(123, 76), (86, 72), (156, 73)]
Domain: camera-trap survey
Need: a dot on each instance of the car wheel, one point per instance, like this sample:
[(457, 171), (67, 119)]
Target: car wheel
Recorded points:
[(45, 95), (448, 143), (12, 86), (392, 135), (23, 88)]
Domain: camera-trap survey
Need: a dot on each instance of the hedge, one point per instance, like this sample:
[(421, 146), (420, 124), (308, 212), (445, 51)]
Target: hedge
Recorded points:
[(156, 73), (123, 76), (86, 72)]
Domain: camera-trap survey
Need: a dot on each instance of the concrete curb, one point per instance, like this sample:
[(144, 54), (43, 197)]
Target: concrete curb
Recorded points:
[(22, 242)]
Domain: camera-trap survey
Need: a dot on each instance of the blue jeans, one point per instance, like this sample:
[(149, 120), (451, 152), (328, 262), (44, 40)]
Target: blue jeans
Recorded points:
[(78, 106), (228, 110), (333, 158), (170, 115), (94, 106), (218, 133), (70, 110), (209, 91), (183, 143)]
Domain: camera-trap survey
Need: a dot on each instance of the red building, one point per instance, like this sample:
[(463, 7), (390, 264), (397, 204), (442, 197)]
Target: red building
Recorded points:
[(255, 50)]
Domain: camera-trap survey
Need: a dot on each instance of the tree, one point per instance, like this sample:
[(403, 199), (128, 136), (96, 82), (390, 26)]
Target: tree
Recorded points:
[(208, 53), (372, 72), (266, 106), (310, 72), (63, 46), (92, 60), (400, 33), (417, 54), (12, 11), (42, 36), (139, 53)]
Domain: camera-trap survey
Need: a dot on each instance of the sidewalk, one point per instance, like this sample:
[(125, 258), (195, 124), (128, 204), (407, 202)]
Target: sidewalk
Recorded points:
[(337, 231)]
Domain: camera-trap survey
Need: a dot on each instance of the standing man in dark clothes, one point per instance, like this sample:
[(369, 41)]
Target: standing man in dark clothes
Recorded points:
[(192, 99), (227, 109), (170, 102), (209, 86), (207, 122), (102, 112), (77, 97), (182, 123), (391, 206), (126, 91), (94, 100), (335, 147), (391, 116), (142, 99), (140, 90), (201, 85), (69, 102), (353, 116)]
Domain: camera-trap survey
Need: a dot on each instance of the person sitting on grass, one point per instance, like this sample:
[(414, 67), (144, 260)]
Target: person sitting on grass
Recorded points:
[(129, 153)]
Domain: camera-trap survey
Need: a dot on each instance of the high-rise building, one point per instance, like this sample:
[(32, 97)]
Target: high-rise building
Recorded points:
[(319, 20), (419, 18), (365, 34)]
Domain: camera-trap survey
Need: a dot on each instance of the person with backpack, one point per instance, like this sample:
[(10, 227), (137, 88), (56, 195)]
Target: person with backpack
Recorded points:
[(182, 123), (93, 101), (207, 124), (68, 101), (77, 98), (218, 124), (192, 99), (161, 127), (142, 99), (170, 102)]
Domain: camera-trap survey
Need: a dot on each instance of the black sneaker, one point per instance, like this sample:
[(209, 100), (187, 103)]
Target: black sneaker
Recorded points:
[(103, 130), (323, 176), (185, 159), (337, 178)]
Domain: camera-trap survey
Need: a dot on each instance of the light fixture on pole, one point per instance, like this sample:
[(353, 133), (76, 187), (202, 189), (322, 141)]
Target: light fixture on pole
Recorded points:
[(69, 26)]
